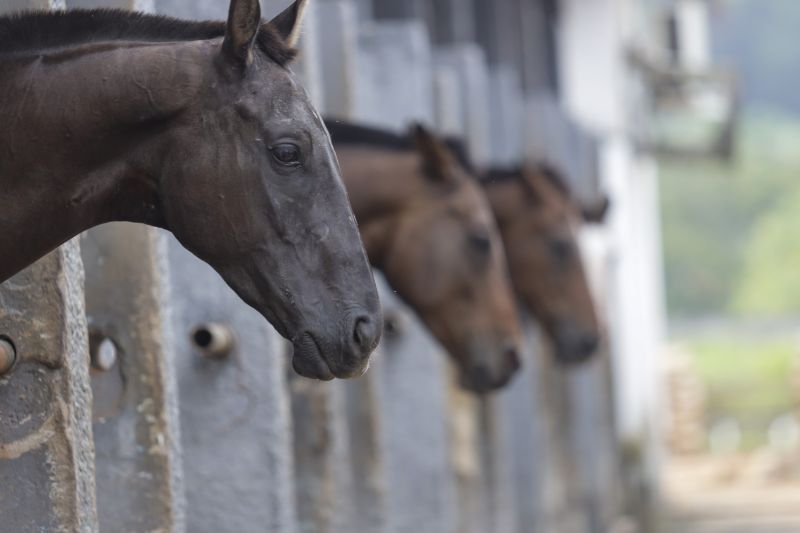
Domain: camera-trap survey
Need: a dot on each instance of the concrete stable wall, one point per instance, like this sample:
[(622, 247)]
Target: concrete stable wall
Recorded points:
[(188, 440)]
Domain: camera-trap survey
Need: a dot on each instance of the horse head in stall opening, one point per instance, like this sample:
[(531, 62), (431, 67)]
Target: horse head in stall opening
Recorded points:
[(428, 226), (199, 128), (538, 219)]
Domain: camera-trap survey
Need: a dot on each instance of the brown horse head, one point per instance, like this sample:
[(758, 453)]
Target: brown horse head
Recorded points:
[(201, 128), (428, 226), (538, 219)]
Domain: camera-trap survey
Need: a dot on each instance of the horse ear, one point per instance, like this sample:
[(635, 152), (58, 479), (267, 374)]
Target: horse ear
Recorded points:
[(596, 214), (289, 23), (436, 160), (244, 19)]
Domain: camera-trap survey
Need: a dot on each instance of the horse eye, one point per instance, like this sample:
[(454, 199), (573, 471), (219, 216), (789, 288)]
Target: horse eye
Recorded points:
[(286, 154), (480, 242)]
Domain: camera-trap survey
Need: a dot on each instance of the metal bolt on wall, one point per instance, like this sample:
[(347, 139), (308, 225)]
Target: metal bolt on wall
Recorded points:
[(8, 356)]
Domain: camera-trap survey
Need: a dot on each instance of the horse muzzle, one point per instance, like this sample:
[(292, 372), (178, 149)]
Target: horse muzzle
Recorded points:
[(318, 358)]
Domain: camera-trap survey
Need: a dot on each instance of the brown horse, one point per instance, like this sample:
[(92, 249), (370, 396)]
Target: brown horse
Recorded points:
[(538, 218), (199, 128), (427, 225)]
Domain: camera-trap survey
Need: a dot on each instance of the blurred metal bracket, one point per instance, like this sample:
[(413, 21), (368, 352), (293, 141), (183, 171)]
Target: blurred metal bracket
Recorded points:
[(695, 115)]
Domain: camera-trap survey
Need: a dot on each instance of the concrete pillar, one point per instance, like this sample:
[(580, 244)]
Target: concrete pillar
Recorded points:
[(234, 408), (203, 9), (395, 74), (308, 65), (420, 488), (448, 101), (46, 451), (538, 46), (338, 47), (453, 21), (553, 137), (146, 6), (498, 29), (408, 9), (366, 454), (527, 443), (507, 110), (136, 427), (10, 6), (467, 459), (498, 465), (593, 443), (469, 64), (323, 475)]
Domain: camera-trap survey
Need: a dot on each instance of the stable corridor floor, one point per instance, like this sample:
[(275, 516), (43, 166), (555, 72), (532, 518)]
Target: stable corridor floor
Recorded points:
[(693, 504)]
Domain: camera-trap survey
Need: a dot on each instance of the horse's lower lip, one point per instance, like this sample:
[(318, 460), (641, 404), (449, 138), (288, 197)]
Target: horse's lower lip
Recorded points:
[(308, 361)]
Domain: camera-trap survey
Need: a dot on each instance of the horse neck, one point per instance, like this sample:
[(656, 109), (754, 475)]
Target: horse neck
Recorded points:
[(79, 138), (381, 183)]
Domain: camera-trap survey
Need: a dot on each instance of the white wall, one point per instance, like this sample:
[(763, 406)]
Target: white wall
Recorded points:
[(600, 89)]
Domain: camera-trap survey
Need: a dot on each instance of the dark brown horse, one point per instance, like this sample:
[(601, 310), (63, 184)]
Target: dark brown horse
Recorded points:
[(427, 225), (199, 128), (538, 218)]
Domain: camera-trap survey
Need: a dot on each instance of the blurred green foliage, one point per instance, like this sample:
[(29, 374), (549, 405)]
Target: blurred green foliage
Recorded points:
[(732, 232)]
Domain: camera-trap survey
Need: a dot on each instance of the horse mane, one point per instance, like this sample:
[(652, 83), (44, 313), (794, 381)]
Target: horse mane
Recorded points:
[(347, 133), (554, 177), (34, 31), (459, 149), (502, 174)]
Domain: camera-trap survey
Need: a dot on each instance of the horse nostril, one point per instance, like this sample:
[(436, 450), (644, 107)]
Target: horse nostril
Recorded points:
[(365, 334), (588, 344), (512, 357)]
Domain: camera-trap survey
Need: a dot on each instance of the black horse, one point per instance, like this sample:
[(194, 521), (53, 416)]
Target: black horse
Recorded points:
[(199, 128)]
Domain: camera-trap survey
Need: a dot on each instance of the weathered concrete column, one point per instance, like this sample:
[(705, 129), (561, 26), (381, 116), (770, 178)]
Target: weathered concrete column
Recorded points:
[(453, 21), (571, 514), (498, 465), (338, 48), (552, 136), (526, 443), (135, 5), (234, 408), (484, 464), (537, 46), (498, 30), (467, 459), (323, 474), (420, 484), (469, 63), (594, 443), (9, 6), (507, 111), (366, 456), (208, 9), (448, 101), (136, 427), (46, 450), (395, 74), (408, 9)]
